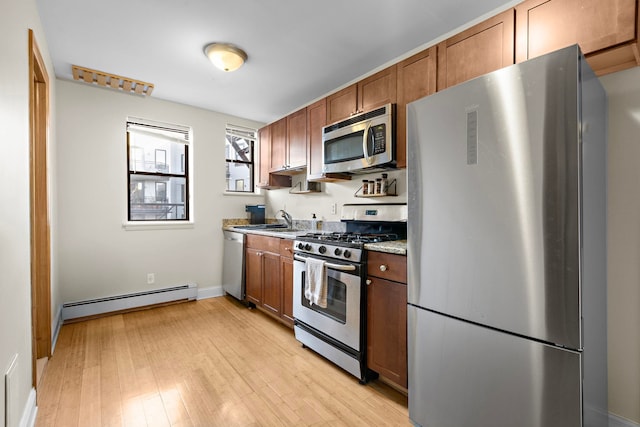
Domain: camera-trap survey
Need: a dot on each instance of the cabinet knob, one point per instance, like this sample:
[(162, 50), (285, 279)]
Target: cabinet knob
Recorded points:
[(383, 267), (368, 281)]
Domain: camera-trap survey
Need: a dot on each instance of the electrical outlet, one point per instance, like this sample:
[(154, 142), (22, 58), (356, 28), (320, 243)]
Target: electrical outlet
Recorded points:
[(334, 208), (151, 278)]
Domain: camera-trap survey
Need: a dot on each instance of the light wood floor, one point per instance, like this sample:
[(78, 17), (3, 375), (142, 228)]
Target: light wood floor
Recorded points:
[(206, 363)]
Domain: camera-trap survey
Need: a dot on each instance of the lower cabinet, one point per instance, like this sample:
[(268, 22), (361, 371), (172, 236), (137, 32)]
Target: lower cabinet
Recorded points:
[(269, 276), (387, 316), (286, 275)]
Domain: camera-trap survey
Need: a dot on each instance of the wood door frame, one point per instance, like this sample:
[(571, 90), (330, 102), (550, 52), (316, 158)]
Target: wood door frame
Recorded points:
[(39, 207)]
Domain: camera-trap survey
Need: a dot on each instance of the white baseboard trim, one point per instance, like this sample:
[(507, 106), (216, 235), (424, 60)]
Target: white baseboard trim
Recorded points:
[(210, 292), (616, 421), (57, 324), (30, 411)]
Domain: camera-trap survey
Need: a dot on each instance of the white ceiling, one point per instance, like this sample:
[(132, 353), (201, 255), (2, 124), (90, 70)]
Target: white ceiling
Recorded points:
[(299, 50)]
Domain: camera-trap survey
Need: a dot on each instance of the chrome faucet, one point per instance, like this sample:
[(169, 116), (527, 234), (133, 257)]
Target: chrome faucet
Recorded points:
[(287, 218)]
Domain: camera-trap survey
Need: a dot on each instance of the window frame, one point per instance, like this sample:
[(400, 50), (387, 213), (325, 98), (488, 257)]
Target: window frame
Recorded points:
[(184, 173), (250, 135)]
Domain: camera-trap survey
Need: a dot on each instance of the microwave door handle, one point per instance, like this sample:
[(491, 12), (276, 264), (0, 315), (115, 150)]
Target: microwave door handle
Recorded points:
[(365, 147)]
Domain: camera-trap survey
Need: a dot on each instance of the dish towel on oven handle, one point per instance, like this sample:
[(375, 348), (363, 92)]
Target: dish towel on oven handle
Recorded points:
[(315, 284)]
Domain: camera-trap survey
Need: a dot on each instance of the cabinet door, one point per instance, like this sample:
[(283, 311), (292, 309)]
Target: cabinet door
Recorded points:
[(286, 270), (378, 89), (481, 49), (316, 119), (278, 145), (342, 104), (387, 329), (543, 26), (253, 277), (264, 163), (271, 284), (297, 139), (416, 79)]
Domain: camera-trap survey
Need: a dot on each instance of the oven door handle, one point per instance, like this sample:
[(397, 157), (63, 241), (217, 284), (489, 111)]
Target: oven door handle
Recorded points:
[(338, 267)]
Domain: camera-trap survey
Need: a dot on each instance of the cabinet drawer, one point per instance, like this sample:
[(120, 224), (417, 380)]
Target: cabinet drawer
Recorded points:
[(263, 243), (286, 248), (387, 266)]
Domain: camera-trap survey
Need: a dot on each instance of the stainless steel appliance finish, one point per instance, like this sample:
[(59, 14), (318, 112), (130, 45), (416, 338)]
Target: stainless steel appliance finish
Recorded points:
[(233, 264), (338, 331), (362, 143), (507, 252)]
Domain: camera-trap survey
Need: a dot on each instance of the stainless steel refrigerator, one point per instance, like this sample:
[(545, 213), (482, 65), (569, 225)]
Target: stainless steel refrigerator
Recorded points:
[(507, 249)]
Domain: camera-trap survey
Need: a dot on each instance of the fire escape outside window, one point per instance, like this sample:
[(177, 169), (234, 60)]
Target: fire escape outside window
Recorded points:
[(158, 171)]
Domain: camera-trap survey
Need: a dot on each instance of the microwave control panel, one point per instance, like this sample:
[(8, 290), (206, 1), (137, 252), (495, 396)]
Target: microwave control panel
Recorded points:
[(377, 139)]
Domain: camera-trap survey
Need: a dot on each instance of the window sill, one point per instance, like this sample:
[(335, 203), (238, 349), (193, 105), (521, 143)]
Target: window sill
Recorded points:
[(156, 225), (239, 193)]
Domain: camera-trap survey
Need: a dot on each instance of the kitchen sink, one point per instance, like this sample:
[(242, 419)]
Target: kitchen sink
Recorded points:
[(270, 227)]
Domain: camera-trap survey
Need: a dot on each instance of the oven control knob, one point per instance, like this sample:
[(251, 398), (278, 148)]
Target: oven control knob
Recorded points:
[(347, 253), (337, 252), (307, 247), (322, 249), (300, 246)]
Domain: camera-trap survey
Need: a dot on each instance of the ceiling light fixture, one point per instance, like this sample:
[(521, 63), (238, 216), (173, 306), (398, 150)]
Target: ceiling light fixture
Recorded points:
[(225, 56)]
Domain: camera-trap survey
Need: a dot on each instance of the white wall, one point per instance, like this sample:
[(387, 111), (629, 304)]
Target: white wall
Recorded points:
[(15, 302), (624, 243), (301, 206), (97, 257)]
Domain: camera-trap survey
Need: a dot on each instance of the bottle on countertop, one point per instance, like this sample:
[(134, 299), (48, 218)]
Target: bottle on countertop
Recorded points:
[(314, 223)]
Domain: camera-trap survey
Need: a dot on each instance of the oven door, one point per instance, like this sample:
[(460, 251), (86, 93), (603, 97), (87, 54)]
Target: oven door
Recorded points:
[(341, 319)]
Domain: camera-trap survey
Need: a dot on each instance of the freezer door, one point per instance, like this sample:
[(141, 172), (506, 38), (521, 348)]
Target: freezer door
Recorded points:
[(493, 200), (468, 375)]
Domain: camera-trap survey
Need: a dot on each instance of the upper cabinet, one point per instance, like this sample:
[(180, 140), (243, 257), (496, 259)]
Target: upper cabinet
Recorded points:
[(297, 139), (265, 178), (289, 144), (316, 120), (606, 31), (369, 93), (483, 48), (416, 78)]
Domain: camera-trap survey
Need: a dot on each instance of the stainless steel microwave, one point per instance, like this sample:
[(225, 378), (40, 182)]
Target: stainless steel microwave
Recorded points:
[(362, 143)]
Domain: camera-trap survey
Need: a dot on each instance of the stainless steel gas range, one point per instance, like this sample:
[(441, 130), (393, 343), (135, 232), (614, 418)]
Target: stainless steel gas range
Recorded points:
[(336, 330)]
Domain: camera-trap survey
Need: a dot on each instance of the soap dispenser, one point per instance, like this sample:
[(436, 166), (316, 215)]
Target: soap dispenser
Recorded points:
[(314, 223)]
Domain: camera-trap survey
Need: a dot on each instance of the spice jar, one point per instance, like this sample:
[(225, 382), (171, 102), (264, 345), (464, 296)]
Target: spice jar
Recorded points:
[(385, 183), (378, 185), (372, 189), (365, 186)]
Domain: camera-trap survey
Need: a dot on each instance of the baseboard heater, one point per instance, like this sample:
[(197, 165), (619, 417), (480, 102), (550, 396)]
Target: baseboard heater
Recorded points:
[(93, 307)]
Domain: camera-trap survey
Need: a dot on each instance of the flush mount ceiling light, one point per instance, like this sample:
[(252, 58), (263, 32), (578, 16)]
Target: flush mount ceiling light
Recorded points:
[(225, 56)]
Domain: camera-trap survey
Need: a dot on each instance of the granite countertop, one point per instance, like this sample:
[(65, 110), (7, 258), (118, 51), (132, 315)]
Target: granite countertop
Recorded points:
[(398, 247)]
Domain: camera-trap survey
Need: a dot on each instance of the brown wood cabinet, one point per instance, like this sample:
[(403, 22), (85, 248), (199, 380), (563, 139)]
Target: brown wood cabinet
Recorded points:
[(265, 178), (416, 79), (316, 120), (262, 274), (387, 316), (278, 155), (297, 140), (286, 274), (483, 48), (373, 91), (269, 275), (607, 31)]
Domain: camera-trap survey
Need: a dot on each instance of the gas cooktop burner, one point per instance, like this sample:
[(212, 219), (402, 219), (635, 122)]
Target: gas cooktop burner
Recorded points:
[(349, 237)]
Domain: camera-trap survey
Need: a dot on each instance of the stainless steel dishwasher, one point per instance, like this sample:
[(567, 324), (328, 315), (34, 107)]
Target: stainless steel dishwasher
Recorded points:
[(233, 264)]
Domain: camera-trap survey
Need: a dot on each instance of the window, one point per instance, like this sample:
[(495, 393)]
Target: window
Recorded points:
[(158, 171), (239, 145)]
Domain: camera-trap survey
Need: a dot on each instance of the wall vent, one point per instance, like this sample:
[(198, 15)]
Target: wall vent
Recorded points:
[(112, 81)]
